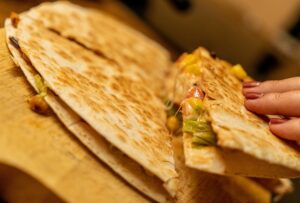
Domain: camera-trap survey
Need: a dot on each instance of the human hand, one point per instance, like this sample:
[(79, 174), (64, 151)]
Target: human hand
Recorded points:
[(281, 97)]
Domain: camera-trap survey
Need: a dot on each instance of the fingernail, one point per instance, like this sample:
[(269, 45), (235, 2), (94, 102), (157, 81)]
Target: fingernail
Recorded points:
[(277, 120), (253, 95), (251, 84)]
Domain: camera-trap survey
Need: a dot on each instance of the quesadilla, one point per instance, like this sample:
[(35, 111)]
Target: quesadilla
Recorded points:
[(107, 37), (220, 135), (107, 106), (197, 186)]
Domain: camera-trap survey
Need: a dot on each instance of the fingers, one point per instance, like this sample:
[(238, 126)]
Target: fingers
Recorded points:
[(286, 103), (285, 85), (278, 97), (287, 129)]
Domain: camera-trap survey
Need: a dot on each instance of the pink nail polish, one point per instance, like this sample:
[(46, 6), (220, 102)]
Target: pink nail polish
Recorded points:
[(277, 120), (253, 95), (251, 84)]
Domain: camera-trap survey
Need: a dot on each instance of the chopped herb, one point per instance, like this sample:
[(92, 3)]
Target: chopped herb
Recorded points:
[(194, 126), (37, 102), (42, 88), (204, 139), (201, 131)]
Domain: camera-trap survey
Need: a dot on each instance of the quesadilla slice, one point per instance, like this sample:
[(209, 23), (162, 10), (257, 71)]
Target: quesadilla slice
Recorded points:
[(106, 36), (220, 135), (106, 106), (198, 186)]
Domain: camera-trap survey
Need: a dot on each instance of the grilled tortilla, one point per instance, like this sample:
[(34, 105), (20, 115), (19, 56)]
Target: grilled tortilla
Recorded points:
[(108, 107), (197, 186), (106, 36), (221, 136)]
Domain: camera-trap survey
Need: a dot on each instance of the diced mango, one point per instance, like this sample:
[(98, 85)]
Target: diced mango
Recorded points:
[(193, 69), (188, 60), (239, 72)]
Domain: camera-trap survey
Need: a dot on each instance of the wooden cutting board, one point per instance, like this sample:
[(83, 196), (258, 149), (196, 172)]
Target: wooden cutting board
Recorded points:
[(41, 147)]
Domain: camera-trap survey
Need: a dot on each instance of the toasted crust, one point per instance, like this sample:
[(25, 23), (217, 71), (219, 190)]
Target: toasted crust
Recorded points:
[(236, 127), (198, 186), (129, 47)]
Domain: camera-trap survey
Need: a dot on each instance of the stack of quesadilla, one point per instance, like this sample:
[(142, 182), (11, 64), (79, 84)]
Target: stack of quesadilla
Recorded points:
[(108, 105), (104, 81)]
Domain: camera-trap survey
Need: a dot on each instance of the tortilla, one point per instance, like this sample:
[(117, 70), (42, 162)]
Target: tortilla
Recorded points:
[(101, 103), (98, 30), (197, 186), (245, 146)]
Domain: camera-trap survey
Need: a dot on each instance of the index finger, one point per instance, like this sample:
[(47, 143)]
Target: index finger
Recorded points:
[(287, 103), (285, 85)]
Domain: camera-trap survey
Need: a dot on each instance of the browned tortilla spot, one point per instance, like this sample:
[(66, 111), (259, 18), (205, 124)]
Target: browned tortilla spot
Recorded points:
[(14, 41)]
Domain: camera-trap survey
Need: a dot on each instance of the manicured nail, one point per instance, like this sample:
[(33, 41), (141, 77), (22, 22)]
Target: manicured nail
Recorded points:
[(253, 95), (277, 120), (251, 84)]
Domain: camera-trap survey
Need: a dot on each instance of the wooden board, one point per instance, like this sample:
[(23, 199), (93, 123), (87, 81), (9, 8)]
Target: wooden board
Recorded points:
[(42, 148)]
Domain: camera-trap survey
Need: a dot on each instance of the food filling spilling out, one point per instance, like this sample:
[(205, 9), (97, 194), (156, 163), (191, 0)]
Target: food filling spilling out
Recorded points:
[(189, 116)]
